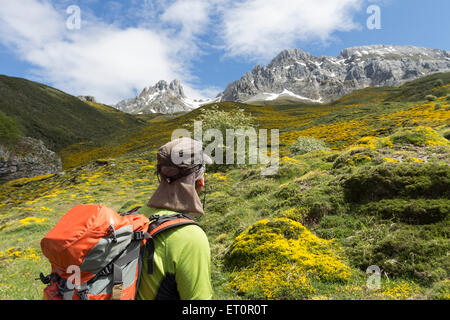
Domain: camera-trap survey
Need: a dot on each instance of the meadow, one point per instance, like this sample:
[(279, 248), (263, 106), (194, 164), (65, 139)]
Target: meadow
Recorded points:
[(377, 194)]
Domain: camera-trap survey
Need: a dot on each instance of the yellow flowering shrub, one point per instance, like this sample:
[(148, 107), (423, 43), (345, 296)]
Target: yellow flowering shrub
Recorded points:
[(354, 157), (22, 181), (296, 213), (370, 142), (390, 160), (344, 133), (273, 281), (31, 220), (441, 290), (219, 176), (19, 253), (422, 115), (419, 136), (415, 160), (280, 258), (399, 290)]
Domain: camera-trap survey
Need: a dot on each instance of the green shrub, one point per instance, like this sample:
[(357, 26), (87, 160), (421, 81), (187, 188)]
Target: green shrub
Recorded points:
[(439, 83), (446, 134), (430, 97), (307, 144), (420, 211), (418, 136), (218, 202), (437, 106), (259, 188), (408, 181), (401, 250), (287, 195), (448, 97), (221, 120), (441, 290), (9, 132), (356, 157)]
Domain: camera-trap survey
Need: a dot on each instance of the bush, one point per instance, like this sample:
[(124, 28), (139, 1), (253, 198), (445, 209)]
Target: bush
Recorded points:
[(307, 144), (419, 136), (401, 250), (446, 134), (288, 195), (441, 290), (429, 181), (9, 132), (439, 83), (356, 157), (279, 258), (430, 97), (255, 189), (236, 119), (420, 211), (448, 97)]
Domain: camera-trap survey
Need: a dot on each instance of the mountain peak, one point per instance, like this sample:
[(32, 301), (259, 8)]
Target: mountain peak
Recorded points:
[(393, 51), (163, 97), (328, 78), (289, 56)]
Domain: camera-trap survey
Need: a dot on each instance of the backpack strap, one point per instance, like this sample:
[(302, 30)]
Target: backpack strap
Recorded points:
[(132, 211), (160, 224)]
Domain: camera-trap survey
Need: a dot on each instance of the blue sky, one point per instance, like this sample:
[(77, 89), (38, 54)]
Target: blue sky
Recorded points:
[(123, 46)]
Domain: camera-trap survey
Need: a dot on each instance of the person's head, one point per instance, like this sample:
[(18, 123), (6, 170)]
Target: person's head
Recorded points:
[(181, 166)]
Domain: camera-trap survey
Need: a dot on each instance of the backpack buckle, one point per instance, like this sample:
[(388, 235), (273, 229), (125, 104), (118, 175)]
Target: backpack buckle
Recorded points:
[(83, 294), (44, 279), (140, 235)]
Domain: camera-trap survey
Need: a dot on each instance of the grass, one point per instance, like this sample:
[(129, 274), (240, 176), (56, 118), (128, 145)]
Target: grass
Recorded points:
[(57, 118), (379, 196)]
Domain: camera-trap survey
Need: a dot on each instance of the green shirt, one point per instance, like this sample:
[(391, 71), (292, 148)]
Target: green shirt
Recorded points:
[(182, 262)]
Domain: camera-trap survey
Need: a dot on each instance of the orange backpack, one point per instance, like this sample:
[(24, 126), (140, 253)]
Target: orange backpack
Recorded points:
[(96, 253)]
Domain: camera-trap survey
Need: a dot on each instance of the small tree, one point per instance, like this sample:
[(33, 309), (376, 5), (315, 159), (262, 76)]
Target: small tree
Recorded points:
[(214, 118), (221, 120), (307, 144), (430, 97)]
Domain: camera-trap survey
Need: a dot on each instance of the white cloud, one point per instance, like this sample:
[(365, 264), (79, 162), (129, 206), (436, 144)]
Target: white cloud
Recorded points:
[(103, 60), (191, 15), (113, 61), (259, 29)]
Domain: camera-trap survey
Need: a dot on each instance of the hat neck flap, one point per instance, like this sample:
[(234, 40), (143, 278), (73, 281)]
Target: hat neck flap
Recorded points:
[(179, 196)]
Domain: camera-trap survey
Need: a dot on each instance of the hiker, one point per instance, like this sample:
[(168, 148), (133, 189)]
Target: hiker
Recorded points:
[(181, 261)]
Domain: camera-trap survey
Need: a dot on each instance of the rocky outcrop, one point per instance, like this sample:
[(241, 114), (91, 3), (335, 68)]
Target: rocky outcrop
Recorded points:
[(27, 158), (87, 98), (298, 74)]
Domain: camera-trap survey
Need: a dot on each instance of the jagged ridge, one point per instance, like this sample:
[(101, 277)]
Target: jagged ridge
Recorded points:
[(298, 74)]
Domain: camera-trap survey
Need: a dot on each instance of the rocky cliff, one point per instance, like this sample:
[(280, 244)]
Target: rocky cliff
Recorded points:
[(27, 158), (300, 75), (163, 97)]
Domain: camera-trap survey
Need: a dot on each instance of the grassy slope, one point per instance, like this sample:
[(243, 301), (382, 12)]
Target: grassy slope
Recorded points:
[(57, 118), (316, 189)]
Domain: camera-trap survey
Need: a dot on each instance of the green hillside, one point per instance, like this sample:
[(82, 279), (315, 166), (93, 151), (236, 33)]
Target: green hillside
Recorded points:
[(57, 118), (373, 191)]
